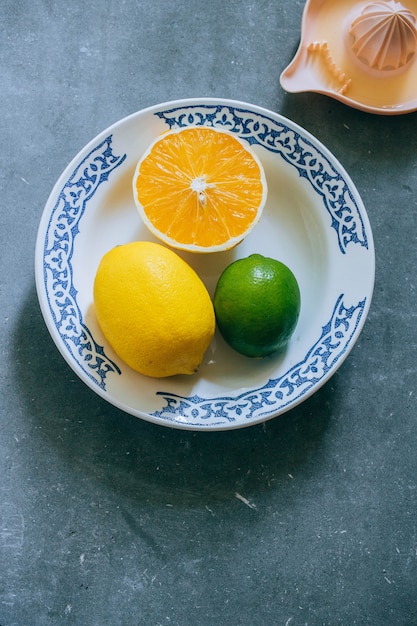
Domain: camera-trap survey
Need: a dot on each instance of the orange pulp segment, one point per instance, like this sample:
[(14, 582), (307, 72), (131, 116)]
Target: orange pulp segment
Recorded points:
[(200, 189)]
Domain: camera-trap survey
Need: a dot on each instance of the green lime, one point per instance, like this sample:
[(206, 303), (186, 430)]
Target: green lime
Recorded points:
[(257, 305)]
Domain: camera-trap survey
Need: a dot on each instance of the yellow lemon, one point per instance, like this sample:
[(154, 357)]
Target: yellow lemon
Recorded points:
[(153, 309)]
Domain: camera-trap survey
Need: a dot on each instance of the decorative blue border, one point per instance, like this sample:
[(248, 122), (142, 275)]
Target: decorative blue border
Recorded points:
[(259, 403), (62, 229), (96, 168), (296, 150)]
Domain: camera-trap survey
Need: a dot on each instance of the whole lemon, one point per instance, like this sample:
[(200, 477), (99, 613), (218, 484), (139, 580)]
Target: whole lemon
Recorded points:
[(257, 304), (153, 309)]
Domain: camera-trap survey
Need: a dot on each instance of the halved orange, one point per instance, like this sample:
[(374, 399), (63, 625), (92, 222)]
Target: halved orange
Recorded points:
[(200, 189)]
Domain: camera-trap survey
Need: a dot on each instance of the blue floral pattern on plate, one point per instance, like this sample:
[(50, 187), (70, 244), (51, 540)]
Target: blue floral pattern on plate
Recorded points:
[(58, 248)]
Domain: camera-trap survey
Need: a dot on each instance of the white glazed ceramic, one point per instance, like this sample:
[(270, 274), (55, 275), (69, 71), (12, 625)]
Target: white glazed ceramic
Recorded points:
[(314, 221)]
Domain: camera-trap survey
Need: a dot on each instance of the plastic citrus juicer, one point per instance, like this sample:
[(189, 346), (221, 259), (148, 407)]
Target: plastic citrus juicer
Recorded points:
[(361, 53)]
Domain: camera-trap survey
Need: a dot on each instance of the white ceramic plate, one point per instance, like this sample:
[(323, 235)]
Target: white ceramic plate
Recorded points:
[(314, 221)]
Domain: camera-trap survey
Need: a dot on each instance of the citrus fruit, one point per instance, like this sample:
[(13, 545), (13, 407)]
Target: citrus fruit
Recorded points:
[(153, 309), (200, 189), (257, 305)]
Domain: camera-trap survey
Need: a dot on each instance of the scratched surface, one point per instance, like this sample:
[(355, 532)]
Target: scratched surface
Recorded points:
[(309, 519)]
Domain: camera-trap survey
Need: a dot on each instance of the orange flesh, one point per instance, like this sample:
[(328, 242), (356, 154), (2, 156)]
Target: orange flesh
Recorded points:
[(200, 186)]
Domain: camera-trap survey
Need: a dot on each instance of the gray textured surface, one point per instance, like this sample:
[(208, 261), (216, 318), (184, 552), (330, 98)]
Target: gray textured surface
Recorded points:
[(105, 519)]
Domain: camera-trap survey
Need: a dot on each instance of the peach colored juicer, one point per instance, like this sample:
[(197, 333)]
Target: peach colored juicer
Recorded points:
[(361, 53)]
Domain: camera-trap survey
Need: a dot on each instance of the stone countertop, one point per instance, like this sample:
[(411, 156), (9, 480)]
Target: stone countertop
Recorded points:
[(105, 519)]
